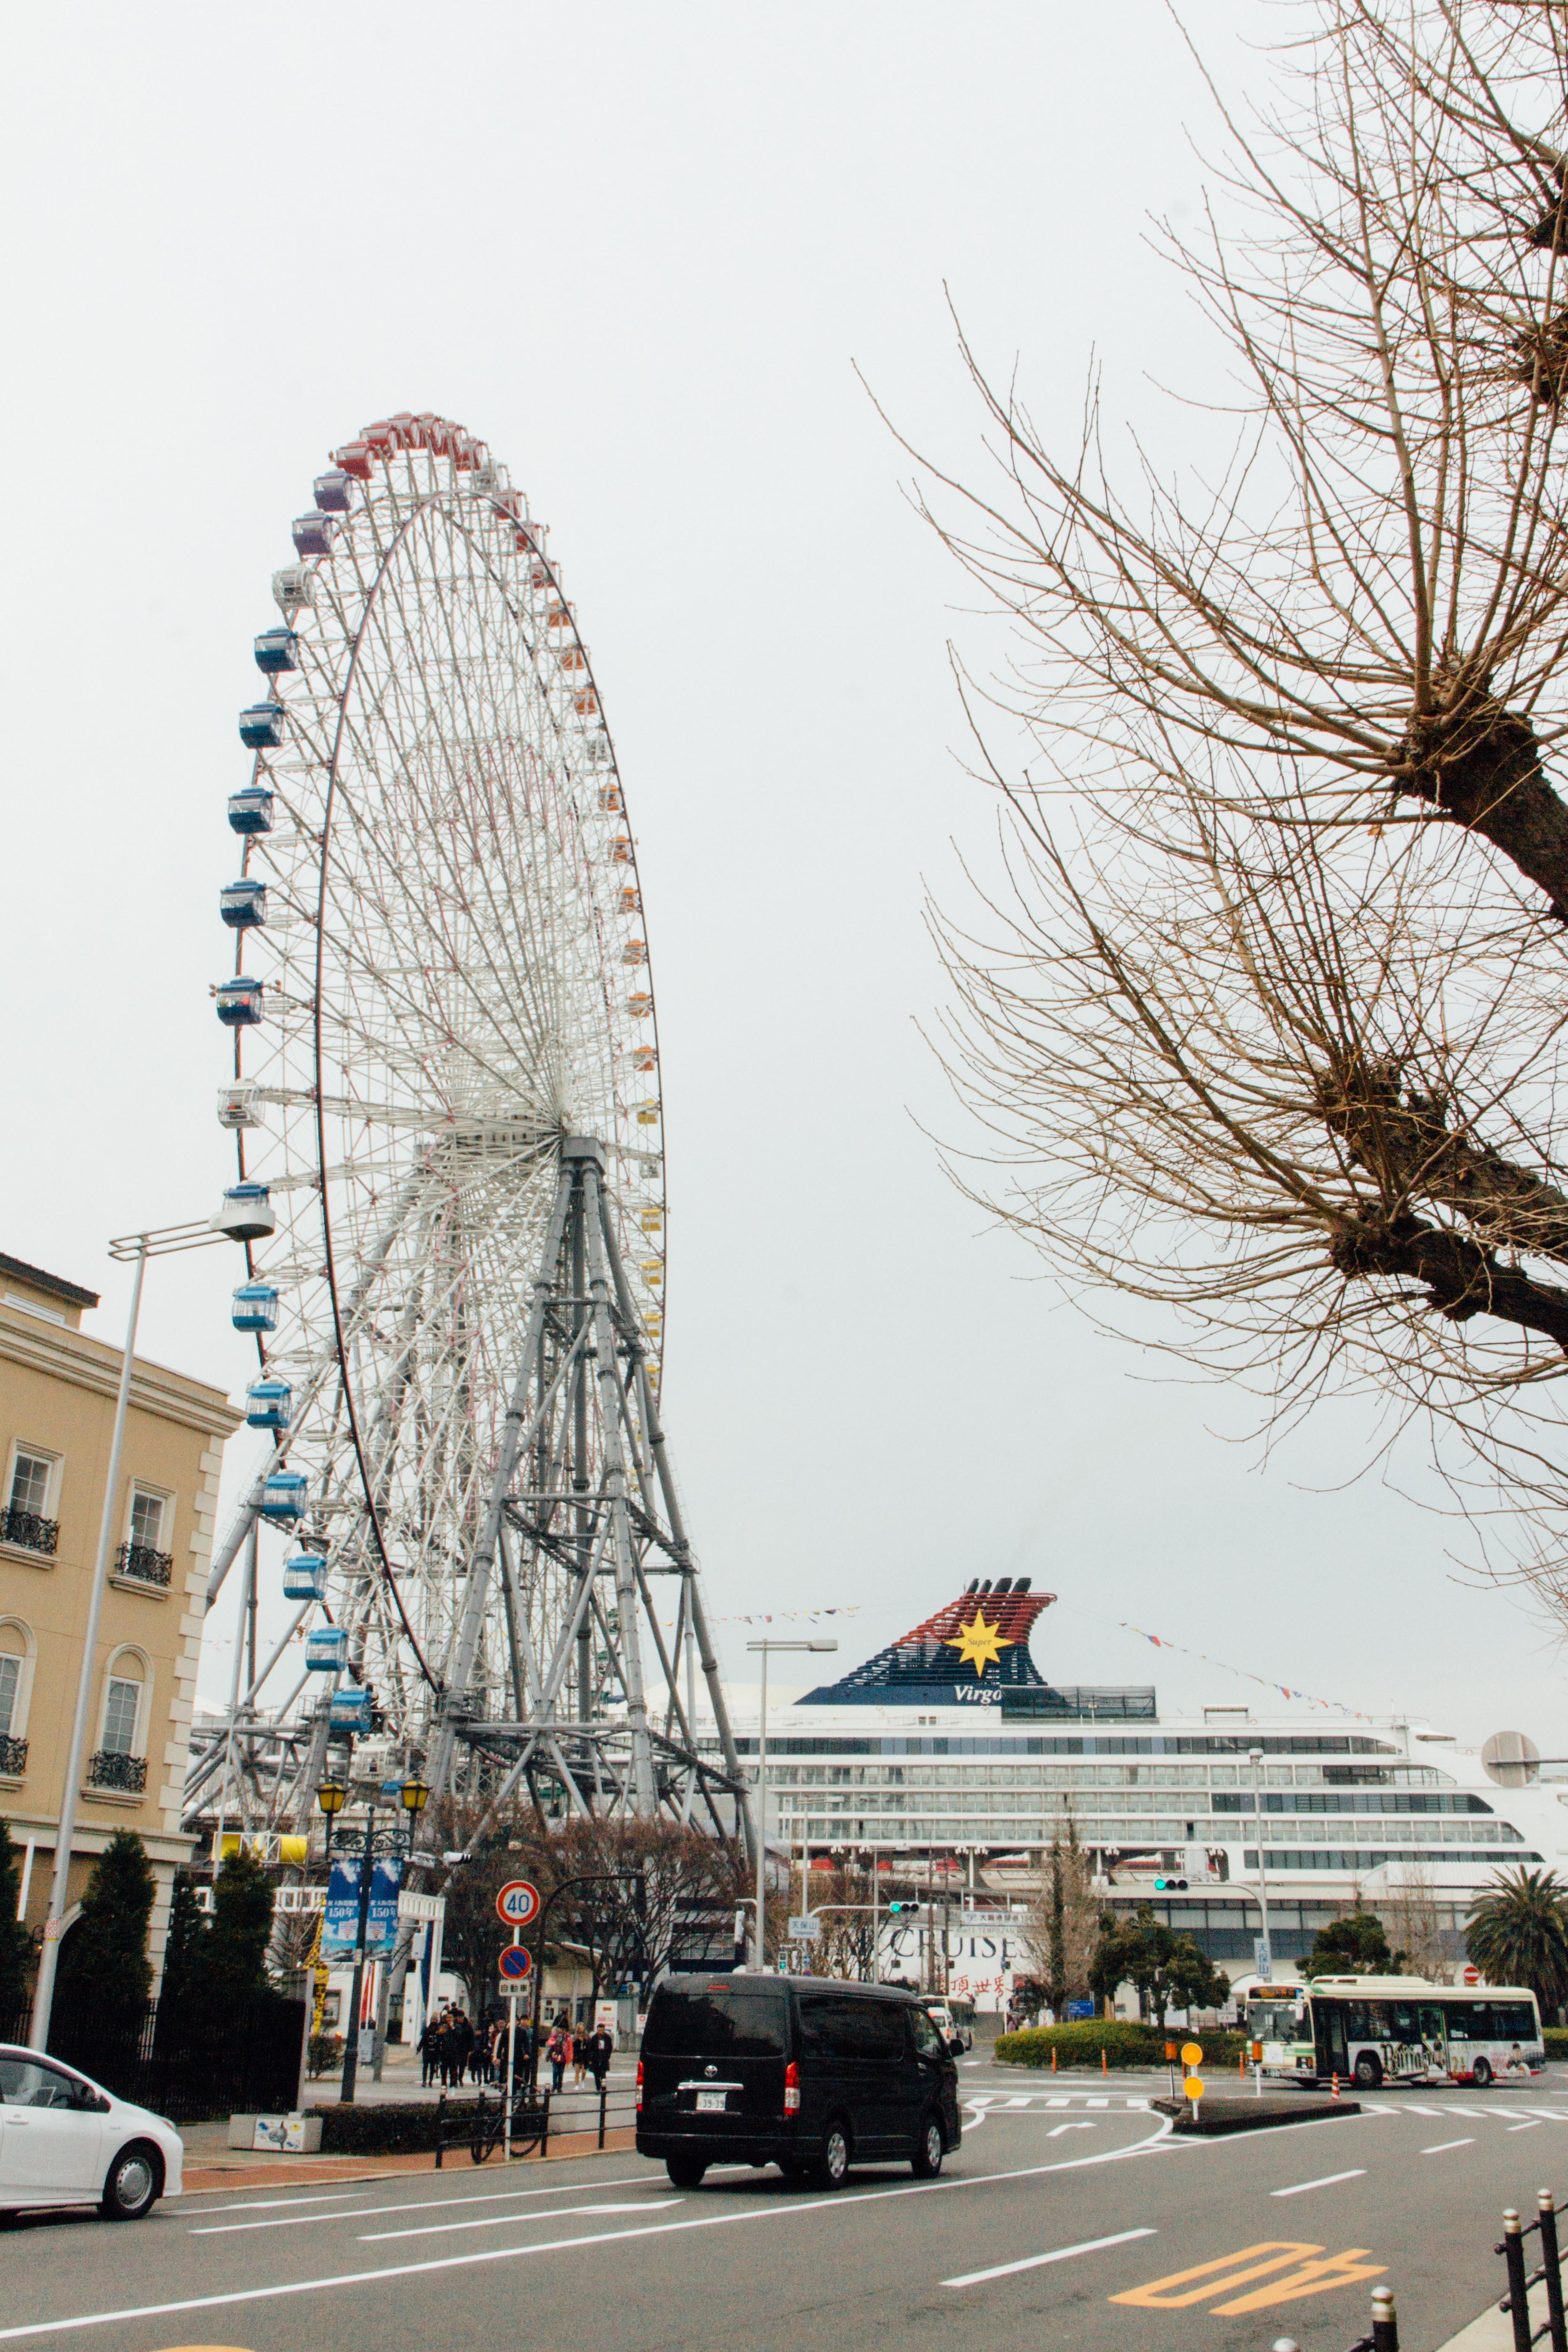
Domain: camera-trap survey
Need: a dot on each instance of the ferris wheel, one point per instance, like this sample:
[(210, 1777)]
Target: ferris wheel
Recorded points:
[(441, 987)]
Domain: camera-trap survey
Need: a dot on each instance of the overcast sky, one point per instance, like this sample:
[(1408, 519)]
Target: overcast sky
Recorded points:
[(641, 252)]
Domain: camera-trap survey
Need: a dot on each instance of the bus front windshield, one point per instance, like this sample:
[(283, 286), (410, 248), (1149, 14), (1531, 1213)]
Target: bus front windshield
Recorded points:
[(1275, 2020)]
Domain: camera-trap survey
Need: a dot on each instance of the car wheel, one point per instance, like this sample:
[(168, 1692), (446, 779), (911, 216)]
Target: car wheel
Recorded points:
[(1481, 2074), (831, 2169), (1368, 2071), (685, 2171), (926, 2161), (133, 2184)]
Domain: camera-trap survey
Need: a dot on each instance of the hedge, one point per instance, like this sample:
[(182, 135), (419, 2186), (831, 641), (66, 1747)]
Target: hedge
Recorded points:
[(388, 2130), (1124, 2044), (1556, 2040)]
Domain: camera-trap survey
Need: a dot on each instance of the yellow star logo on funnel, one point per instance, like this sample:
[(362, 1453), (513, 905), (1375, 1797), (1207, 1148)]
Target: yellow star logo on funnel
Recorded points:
[(977, 1644)]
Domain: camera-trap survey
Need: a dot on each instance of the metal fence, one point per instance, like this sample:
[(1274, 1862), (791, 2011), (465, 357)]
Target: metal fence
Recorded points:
[(537, 2119), (188, 2067)]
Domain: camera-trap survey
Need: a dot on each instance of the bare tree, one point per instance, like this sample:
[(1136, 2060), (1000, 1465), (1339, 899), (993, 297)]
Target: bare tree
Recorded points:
[(1410, 1916), (1261, 1016), (1062, 1928)]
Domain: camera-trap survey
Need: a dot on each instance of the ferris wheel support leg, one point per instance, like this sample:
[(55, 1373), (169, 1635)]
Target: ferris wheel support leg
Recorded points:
[(438, 1764), (644, 1798)]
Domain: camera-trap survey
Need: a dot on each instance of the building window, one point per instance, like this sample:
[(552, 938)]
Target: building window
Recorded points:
[(121, 1710), (16, 1648), (141, 1557), (24, 1520)]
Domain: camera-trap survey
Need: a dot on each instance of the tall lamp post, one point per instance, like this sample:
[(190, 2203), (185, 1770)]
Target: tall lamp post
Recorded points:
[(332, 1796), (131, 1249), (1255, 1758), (767, 1647)]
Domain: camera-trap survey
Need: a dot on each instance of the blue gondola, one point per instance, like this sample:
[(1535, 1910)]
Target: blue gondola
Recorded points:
[(349, 1709), (247, 1214), (240, 1002), (326, 1650), (269, 1404), (313, 534), (333, 491), (304, 1577), (276, 650), (255, 1307), (261, 725), (250, 810), (243, 905), (283, 1496)]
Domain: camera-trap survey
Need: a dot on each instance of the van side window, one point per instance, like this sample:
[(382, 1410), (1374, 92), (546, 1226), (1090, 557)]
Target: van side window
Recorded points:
[(832, 2026), (928, 2041)]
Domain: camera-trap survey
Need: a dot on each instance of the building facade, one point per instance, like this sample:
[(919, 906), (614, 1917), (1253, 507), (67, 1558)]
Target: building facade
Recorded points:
[(58, 1388)]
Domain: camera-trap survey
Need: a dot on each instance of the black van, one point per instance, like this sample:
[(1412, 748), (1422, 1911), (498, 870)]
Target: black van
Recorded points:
[(801, 2072)]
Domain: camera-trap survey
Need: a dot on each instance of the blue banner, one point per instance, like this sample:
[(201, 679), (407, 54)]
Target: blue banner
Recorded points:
[(342, 1922)]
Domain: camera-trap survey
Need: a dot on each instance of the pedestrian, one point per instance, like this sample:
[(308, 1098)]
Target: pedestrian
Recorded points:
[(579, 2055), (555, 2050), (428, 2059), (601, 2050)]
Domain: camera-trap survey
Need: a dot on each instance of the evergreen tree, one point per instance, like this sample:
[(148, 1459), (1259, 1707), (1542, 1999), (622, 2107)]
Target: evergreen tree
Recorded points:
[(16, 1944), (1355, 1946), (230, 1959), (182, 1953), (105, 1977)]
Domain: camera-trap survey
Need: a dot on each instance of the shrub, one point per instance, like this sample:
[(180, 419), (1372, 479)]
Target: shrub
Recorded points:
[(323, 2053), (389, 2130), (1124, 2044), (1556, 2040)]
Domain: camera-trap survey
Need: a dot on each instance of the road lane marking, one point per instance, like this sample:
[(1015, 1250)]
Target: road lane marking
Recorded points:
[(1533, 2125), (1444, 2145), (1037, 2262), (1328, 2180), (503, 2220), (841, 2203), (421, 2205), (1059, 2128), (1301, 2270)]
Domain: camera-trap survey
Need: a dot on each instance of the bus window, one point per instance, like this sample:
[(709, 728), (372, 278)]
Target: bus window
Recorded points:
[(1431, 2019), (1513, 2020), (1355, 2017), (1403, 2026), (1467, 2021)]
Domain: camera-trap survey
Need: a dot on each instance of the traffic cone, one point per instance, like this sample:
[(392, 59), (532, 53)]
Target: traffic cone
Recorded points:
[(1103, 2068), (1335, 2092), (1053, 2057)]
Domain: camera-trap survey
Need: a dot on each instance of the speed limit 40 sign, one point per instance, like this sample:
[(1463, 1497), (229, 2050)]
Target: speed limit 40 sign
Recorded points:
[(518, 1903)]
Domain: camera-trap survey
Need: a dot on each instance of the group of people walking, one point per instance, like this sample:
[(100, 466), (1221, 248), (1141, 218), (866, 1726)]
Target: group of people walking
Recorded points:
[(453, 2049)]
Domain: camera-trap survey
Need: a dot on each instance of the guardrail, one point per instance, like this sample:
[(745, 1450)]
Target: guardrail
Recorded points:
[(536, 2120), (1516, 2302)]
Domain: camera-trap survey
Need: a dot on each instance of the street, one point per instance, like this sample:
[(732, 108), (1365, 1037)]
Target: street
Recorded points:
[(1071, 2216)]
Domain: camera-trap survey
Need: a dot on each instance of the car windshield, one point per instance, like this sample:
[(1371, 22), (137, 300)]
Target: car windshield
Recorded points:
[(719, 2021)]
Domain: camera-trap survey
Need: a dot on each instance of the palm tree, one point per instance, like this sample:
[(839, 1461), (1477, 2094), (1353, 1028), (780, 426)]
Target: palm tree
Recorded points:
[(1519, 1934)]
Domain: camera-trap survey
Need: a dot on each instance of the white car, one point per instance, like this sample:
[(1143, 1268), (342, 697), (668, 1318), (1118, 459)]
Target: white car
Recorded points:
[(65, 2140)]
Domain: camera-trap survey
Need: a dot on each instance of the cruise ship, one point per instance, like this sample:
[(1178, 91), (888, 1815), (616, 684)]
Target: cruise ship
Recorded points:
[(950, 1761)]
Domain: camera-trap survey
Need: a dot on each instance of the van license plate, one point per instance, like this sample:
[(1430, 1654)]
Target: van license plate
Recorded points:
[(710, 2103)]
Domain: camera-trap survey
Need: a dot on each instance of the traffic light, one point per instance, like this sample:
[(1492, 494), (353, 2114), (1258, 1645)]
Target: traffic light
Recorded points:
[(894, 1907), (1166, 1885)]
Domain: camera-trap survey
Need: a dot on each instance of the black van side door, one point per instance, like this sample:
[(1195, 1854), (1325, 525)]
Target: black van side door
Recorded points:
[(852, 2060)]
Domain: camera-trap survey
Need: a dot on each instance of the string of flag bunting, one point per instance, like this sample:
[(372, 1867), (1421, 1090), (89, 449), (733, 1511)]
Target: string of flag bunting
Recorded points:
[(1243, 1673), (789, 1616)]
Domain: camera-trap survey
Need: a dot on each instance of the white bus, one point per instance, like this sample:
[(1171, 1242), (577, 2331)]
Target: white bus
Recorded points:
[(1374, 2030)]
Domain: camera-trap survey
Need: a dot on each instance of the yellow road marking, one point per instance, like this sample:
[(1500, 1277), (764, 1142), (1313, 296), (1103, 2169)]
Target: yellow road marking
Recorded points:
[(1304, 2270)]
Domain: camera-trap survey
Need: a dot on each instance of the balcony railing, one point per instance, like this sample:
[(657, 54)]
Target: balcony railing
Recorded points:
[(142, 1564), (110, 1769), (12, 1756), (26, 1529)]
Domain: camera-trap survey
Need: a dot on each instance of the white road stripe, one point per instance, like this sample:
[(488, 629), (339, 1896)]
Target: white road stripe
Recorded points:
[(1037, 2262), (418, 2205), (502, 2221), (1444, 2145), (1057, 2129), (1327, 2181), (277, 2204), (839, 2203), (1533, 2125)]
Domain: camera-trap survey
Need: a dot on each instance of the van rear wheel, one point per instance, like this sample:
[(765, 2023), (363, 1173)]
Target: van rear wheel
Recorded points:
[(926, 2161), (831, 2169), (685, 2171)]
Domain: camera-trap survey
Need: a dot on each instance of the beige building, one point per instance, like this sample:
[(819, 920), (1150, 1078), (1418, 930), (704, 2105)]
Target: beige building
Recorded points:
[(57, 1391)]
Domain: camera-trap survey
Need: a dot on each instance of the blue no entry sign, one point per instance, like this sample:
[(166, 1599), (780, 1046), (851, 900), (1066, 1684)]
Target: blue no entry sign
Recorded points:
[(516, 1963)]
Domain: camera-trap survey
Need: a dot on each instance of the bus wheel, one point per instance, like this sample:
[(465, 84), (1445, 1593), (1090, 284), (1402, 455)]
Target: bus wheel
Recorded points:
[(1481, 2074), (1368, 2071)]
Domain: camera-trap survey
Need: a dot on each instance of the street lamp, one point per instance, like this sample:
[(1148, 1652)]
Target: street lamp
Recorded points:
[(247, 1223), (332, 1796), (767, 1647), (1255, 1758)]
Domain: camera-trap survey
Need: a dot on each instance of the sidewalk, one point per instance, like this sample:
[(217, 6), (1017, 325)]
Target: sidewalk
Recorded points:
[(241, 2168)]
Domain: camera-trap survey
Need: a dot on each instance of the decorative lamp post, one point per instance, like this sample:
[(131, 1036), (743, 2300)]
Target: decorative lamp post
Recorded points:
[(332, 1796)]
